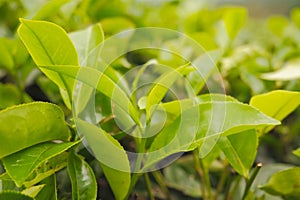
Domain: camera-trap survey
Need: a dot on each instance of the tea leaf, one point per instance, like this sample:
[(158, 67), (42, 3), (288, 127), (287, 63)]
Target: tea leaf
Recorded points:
[(112, 157), (202, 125), (240, 150), (33, 123), (100, 81), (49, 44), (84, 185), (49, 190), (277, 104), (162, 85), (11, 195), (21, 164), (284, 183)]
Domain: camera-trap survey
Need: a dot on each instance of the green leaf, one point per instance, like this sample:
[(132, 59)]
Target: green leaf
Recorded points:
[(25, 125), (11, 195), (284, 183), (295, 16), (290, 71), (178, 106), (112, 157), (49, 190), (87, 43), (234, 18), (6, 59), (201, 126), (277, 24), (297, 152), (205, 66), (7, 184), (100, 81), (47, 169), (49, 9), (240, 150), (277, 104), (33, 191), (49, 44), (9, 95), (21, 164), (181, 177), (162, 85), (84, 185)]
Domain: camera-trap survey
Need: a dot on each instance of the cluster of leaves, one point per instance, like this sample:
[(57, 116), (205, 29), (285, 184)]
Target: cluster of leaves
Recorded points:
[(41, 155)]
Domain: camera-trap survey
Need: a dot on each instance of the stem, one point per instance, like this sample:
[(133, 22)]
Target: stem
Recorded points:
[(200, 173), (234, 189), (149, 188), (222, 180), (136, 175), (160, 180), (204, 177), (252, 178)]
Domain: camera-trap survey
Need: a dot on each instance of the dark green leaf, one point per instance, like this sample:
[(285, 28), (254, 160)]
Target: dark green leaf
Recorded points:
[(10, 195), (49, 190), (84, 185)]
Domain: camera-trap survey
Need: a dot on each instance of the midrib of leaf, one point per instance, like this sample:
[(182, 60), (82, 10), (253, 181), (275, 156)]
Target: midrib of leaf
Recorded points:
[(51, 60)]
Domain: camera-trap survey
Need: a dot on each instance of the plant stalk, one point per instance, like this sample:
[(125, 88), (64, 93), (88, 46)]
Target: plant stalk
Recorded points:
[(204, 177), (250, 181), (148, 185), (160, 180)]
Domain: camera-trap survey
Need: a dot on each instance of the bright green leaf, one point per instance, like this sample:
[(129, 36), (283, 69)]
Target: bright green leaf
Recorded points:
[(112, 157), (9, 95), (6, 59), (240, 150), (295, 16), (234, 18), (21, 164), (96, 79), (33, 123), (277, 24), (49, 44), (297, 152), (33, 191), (84, 185), (201, 126), (162, 85), (49, 9), (284, 183), (178, 106), (277, 104)]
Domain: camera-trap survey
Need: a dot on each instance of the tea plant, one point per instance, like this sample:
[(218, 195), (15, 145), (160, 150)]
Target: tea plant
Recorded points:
[(126, 112)]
